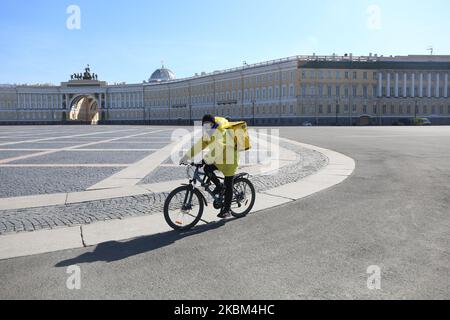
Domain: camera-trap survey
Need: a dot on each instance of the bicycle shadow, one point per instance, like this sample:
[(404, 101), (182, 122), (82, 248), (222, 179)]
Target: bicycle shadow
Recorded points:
[(115, 251)]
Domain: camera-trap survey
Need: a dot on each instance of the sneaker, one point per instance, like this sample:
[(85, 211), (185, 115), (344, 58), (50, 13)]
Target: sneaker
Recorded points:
[(224, 214)]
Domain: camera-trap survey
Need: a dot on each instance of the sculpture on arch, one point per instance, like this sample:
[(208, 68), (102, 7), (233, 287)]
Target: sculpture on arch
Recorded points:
[(86, 75)]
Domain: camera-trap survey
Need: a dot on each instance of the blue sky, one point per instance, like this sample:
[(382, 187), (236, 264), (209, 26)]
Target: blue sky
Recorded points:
[(127, 40)]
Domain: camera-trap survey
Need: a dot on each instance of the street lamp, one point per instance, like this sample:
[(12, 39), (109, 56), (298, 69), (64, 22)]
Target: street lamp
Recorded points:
[(337, 111), (415, 110), (315, 110), (380, 123), (253, 105)]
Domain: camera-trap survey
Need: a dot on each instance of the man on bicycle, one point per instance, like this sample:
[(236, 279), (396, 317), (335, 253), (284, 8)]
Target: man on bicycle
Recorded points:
[(222, 156)]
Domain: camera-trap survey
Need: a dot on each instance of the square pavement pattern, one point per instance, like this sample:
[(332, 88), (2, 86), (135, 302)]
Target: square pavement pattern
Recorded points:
[(55, 159), (97, 170)]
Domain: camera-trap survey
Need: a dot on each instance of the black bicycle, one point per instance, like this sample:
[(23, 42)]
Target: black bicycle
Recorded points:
[(184, 206)]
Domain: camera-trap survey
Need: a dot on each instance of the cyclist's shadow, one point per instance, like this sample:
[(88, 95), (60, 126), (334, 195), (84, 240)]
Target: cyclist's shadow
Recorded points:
[(115, 251)]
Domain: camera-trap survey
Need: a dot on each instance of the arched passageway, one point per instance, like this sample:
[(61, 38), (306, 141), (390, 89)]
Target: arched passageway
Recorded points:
[(84, 109)]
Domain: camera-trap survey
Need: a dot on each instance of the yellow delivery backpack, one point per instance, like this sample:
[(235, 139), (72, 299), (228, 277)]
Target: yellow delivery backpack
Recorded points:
[(240, 134)]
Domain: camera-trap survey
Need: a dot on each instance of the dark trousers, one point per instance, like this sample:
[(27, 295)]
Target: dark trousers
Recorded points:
[(209, 170)]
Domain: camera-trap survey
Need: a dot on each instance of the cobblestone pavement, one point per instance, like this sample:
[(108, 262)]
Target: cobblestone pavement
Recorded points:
[(16, 182), (26, 170), (86, 157), (13, 153), (120, 208), (78, 179)]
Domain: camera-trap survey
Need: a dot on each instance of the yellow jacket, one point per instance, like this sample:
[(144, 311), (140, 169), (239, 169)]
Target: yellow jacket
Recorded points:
[(222, 151)]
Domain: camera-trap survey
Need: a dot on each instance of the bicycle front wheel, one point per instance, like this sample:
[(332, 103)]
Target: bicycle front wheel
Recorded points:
[(183, 208)]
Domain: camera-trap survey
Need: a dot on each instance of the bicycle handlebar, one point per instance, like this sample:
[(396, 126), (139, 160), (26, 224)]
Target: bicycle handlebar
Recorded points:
[(193, 164)]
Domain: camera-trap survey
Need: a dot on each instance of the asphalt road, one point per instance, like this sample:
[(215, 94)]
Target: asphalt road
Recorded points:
[(393, 213)]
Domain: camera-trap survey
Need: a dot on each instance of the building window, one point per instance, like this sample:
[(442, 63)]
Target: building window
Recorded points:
[(355, 91), (355, 75), (365, 75), (392, 109), (365, 109), (329, 91), (375, 76), (384, 109), (346, 75), (346, 109), (329, 108), (354, 108)]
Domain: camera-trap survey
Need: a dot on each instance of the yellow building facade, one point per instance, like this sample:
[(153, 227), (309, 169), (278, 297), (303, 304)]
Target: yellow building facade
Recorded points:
[(313, 90)]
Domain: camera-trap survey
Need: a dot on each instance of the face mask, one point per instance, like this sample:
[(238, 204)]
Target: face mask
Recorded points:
[(208, 129)]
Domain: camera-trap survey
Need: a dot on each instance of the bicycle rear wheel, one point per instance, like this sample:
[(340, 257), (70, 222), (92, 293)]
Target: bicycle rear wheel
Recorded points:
[(244, 196), (183, 208)]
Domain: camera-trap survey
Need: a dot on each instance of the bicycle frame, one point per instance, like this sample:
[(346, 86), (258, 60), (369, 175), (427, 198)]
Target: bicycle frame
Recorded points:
[(205, 183), (203, 179)]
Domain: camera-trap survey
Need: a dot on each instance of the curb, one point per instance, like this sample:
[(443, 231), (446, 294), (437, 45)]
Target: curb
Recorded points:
[(339, 168)]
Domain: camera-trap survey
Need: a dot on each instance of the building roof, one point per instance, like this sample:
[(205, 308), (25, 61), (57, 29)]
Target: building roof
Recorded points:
[(162, 75)]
